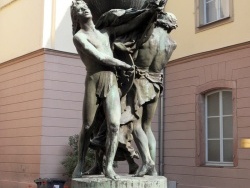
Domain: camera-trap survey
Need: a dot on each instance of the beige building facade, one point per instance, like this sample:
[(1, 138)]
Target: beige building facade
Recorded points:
[(207, 96), (41, 90)]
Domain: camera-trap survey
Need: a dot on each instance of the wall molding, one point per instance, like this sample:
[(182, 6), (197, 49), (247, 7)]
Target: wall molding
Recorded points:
[(211, 53), (42, 51), (61, 53)]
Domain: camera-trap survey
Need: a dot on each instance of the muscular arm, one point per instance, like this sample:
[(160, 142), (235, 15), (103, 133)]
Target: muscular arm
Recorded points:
[(83, 45)]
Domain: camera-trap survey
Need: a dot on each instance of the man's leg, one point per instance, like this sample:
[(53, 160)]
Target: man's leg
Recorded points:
[(112, 110), (89, 111), (141, 141), (98, 144), (148, 114)]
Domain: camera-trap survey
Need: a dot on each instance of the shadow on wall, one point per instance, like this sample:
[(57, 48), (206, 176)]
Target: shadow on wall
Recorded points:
[(61, 28)]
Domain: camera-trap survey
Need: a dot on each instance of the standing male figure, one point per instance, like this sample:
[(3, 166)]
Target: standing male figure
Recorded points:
[(152, 56), (101, 89)]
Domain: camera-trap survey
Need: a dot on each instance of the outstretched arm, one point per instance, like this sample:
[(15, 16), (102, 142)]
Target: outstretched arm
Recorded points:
[(83, 45)]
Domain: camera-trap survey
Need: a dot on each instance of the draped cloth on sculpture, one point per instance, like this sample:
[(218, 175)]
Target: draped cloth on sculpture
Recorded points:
[(120, 17), (146, 87), (103, 81), (110, 20), (116, 17)]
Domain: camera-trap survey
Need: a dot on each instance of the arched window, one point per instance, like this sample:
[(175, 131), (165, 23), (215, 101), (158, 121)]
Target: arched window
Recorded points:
[(216, 124), (219, 128)]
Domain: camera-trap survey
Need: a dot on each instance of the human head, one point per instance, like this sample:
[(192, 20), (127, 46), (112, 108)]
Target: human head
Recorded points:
[(167, 21), (76, 5)]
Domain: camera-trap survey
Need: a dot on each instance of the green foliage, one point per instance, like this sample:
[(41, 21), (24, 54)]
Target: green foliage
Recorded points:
[(70, 161)]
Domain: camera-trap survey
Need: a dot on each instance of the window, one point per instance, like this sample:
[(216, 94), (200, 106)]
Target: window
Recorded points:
[(219, 128), (216, 125), (213, 12)]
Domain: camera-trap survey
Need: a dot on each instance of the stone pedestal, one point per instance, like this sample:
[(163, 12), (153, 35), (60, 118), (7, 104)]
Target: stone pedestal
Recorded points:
[(127, 181)]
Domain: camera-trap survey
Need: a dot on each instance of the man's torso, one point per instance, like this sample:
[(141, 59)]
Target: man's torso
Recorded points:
[(155, 53), (100, 41)]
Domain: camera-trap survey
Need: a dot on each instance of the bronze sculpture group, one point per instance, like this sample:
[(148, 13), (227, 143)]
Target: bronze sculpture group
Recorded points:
[(124, 54)]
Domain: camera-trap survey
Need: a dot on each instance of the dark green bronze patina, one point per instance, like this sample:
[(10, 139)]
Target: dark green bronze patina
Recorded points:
[(121, 96)]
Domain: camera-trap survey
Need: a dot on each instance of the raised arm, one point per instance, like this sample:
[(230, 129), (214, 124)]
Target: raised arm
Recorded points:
[(83, 45)]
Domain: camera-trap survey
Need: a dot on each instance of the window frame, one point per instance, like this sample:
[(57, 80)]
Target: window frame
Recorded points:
[(200, 10), (201, 91), (221, 137)]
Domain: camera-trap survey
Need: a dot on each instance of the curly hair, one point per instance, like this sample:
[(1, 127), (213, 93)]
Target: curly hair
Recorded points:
[(166, 21), (75, 21)]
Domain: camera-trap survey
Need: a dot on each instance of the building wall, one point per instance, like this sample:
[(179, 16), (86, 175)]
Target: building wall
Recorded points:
[(21, 99), (183, 80), (6, 2), (57, 31), (21, 28), (64, 78), (27, 26), (41, 96), (191, 42)]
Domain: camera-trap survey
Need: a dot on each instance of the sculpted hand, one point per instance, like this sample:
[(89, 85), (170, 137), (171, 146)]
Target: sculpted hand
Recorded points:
[(130, 71), (127, 73), (126, 67)]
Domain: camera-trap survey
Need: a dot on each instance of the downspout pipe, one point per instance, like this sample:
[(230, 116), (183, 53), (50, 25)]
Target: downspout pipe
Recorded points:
[(161, 128), (162, 123)]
